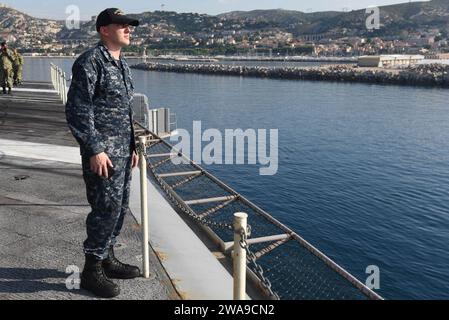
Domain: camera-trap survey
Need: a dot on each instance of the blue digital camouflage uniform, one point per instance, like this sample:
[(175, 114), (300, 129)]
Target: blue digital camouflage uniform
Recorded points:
[(100, 117)]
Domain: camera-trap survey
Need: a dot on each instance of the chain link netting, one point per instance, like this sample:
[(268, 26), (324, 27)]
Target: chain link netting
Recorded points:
[(300, 275), (256, 268)]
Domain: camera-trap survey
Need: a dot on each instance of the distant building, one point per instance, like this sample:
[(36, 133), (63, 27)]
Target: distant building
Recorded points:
[(384, 61), (438, 56), (435, 61)]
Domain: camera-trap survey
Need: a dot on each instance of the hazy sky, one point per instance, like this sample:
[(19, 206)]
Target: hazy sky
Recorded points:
[(55, 9)]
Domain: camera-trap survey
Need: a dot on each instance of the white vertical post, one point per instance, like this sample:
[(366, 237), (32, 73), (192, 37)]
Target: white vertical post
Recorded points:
[(58, 81), (144, 207), (64, 88), (239, 257)]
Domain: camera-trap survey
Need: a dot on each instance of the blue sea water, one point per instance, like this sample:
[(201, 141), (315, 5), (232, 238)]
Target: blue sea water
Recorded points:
[(363, 169)]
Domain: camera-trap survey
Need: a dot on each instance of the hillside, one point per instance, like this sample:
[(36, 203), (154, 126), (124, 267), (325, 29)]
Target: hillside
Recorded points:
[(395, 21)]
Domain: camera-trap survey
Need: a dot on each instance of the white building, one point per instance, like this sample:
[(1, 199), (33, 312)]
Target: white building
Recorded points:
[(385, 61)]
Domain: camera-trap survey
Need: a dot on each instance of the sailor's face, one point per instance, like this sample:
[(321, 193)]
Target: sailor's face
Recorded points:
[(118, 33)]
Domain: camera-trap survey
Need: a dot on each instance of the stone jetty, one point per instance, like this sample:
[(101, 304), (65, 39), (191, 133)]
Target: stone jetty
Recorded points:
[(419, 75)]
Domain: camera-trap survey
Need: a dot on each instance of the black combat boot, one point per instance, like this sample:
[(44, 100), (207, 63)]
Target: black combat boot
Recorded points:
[(94, 280), (9, 90), (118, 270), (4, 90)]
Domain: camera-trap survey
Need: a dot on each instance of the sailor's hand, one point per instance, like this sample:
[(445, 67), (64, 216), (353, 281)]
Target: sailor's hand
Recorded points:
[(100, 163), (135, 160)]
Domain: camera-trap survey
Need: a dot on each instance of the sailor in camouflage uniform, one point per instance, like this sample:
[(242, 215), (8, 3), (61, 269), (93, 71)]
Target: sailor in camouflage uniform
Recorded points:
[(18, 67), (99, 115), (6, 67)]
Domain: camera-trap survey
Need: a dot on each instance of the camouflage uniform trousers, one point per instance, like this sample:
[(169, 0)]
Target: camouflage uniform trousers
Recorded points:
[(109, 200), (6, 78), (18, 70)]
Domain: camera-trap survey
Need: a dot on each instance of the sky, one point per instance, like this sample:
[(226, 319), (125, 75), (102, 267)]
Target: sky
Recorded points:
[(56, 9)]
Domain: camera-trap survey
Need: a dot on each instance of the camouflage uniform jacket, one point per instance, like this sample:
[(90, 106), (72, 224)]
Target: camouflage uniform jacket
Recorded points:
[(7, 59), (98, 108), (18, 59)]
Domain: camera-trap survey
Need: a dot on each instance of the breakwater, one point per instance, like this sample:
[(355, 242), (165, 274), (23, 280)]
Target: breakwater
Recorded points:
[(420, 75), (258, 58), (292, 59)]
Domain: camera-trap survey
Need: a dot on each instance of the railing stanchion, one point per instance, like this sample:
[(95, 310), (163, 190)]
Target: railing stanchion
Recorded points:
[(144, 206), (239, 255), (64, 88), (58, 81), (51, 74)]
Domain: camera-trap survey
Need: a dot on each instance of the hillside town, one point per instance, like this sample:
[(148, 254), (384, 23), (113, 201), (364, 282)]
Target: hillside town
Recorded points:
[(199, 34)]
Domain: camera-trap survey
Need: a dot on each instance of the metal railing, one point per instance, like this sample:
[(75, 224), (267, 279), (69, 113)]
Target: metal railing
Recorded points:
[(161, 121), (281, 263), (240, 227), (59, 81)]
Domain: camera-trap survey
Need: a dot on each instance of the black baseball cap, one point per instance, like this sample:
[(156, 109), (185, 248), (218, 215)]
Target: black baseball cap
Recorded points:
[(114, 15)]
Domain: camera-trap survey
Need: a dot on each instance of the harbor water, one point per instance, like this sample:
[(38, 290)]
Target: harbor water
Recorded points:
[(363, 169)]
